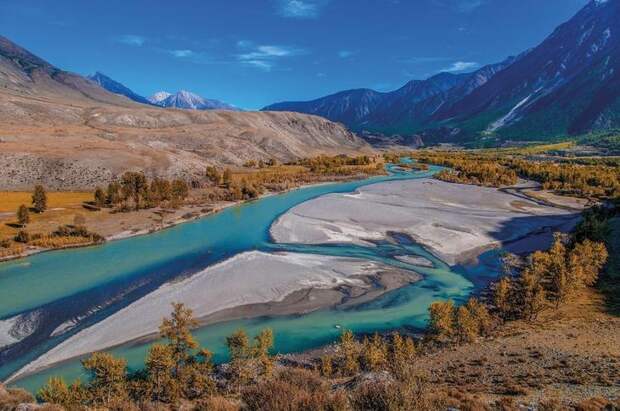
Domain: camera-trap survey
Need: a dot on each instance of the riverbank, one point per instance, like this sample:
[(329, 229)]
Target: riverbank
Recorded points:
[(118, 226), (249, 285)]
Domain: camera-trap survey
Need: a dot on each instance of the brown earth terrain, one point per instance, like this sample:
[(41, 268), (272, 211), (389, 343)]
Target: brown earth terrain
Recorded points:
[(65, 132)]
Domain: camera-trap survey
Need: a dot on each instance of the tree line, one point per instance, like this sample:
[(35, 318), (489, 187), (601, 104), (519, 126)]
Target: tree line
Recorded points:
[(544, 280), (494, 168), (134, 192)]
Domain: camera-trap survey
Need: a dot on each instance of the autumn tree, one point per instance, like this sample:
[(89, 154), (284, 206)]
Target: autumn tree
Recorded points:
[(160, 191), (501, 296), (213, 175), (177, 330), (162, 384), (553, 264), (532, 295), (442, 319), (179, 190), (39, 199), (114, 194), (326, 365), (23, 215), (239, 349), (227, 177), (586, 260), (480, 312), (467, 327), (134, 186), (374, 353), (108, 379), (56, 391), (402, 353), (195, 377), (100, 197), (263, 342), (349, 351)]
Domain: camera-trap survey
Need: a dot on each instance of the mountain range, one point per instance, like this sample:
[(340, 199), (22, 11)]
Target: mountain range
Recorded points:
[(568, 84), (188, 100), (182, 99), (69, 132)]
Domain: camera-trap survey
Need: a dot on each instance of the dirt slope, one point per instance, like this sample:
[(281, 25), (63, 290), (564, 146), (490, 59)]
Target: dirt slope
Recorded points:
[(66, 132)]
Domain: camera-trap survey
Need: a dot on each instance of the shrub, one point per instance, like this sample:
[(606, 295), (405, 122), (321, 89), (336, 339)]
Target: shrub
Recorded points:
[(22, 237), (293, 389)]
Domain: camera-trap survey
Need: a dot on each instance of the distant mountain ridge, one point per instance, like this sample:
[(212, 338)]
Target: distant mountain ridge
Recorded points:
[(569, 84), (187, 100), (402, 111), (116, 87)]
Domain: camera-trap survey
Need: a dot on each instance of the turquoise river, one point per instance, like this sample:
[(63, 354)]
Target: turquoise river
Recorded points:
[(85, 285)]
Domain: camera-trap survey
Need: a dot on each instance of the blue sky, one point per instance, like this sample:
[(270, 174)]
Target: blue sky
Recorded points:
[(255, 52)]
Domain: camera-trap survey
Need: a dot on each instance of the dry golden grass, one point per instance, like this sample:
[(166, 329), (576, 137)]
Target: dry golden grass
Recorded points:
[(62, 209), (11, 200)]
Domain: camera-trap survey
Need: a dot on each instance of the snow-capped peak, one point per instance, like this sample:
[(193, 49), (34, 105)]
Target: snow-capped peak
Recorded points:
[(159, 97), (184, 99)]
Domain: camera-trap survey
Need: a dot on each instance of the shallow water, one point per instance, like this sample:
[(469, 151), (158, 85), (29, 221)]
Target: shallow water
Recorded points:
[(67, 284)]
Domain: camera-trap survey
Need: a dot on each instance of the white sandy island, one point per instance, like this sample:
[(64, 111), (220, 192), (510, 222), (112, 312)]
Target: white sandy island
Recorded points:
[(248, 278), (451, 220)]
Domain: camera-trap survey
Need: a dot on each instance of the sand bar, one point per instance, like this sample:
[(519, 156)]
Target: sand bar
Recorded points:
[(245, 280), (450, 220)]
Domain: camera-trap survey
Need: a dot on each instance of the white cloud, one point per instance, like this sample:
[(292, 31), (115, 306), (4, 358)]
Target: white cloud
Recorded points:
[(131, 40), (261, 64), (343, 54), (182, 53), (265, 56), (461, 66), (300, 9)]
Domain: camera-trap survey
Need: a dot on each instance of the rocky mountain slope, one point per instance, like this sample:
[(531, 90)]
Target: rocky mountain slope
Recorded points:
[(187, 100), (569, 84), (67, 132), (114, 86), (403, 111)]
